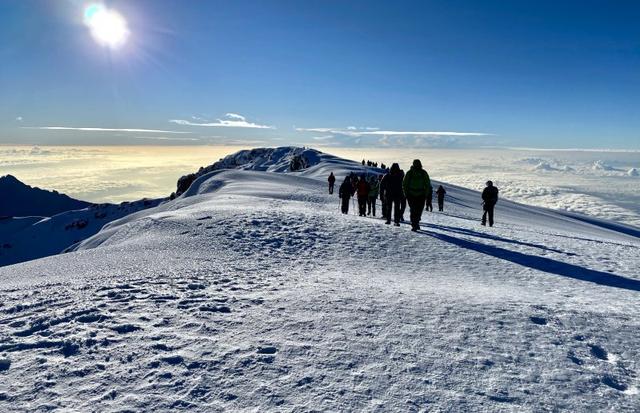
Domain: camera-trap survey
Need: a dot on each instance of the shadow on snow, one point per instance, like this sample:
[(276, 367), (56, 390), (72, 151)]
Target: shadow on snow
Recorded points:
[(542, 264), (497, 238)]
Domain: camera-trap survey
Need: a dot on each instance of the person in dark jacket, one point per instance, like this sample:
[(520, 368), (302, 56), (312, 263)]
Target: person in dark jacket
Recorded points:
[(403, 200), (383, 201), (391, 192), (362, 189), (416, 186), (345, 192), (440, 192), (489, 201), (332, 181), (429, 206)]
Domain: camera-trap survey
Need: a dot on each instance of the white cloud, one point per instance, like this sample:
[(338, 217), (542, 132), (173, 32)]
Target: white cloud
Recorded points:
[(19, 119), (165, 138), (354, 132), (235, 116), (230, 120), (101, 129)]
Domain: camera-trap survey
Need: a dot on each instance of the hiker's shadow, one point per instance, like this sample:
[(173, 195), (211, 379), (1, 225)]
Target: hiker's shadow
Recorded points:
[(473, 233), (541, 263)]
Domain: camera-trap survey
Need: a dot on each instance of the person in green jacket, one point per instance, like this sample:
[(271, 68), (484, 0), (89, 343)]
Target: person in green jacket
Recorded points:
[(417, 187), (374, 190)]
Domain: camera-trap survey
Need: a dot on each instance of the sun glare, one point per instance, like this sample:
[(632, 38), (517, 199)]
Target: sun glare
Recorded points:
[(107, 27)]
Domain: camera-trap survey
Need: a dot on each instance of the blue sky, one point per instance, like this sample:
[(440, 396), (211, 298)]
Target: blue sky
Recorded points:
[(526, 73)]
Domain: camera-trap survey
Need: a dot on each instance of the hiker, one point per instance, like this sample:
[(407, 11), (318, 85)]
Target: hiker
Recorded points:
[(489, 200), (391, 191), (363, 162), (374, 190), (429, 206), (416, 186), (363, 195), (344, 193), (354, 183), (440, 191), (383, 201), (403, 200), (332, 181)]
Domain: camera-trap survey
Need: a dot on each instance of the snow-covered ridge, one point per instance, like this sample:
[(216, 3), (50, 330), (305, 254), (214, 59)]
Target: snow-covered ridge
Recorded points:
[(76, 221), (282, 159)]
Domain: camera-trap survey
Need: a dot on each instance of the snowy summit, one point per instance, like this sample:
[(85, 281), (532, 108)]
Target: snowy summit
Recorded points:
[(250, 291)]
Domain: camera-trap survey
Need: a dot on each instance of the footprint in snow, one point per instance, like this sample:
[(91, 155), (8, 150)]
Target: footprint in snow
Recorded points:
[(125, 328), (216, 309), (267, 350), (571, 356), (598, 352), (173, 360), (541, 321), (614, 383)]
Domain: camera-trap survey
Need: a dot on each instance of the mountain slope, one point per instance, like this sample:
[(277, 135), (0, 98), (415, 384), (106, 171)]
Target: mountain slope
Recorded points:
[(29, 238), (21, 200), (252, 292)]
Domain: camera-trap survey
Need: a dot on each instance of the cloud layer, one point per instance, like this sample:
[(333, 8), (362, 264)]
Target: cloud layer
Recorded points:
[(357, 132), (230, 120), (70, 128)]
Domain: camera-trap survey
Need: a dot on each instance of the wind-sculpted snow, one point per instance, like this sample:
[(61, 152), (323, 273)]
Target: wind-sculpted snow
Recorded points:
[(251, 292)]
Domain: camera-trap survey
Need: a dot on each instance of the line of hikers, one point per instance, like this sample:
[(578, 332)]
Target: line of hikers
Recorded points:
[(373, 164), (397, 189)]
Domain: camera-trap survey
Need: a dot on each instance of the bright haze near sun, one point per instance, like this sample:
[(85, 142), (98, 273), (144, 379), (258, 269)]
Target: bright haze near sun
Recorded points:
[(107, 26)]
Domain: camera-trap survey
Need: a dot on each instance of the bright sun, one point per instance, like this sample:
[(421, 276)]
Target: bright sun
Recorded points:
[(108, 27)]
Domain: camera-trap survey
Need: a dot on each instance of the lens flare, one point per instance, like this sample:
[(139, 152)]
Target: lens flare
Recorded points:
[(107, 27)]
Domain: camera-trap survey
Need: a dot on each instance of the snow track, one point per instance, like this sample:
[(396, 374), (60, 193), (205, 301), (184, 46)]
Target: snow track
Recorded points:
[(252, 293)]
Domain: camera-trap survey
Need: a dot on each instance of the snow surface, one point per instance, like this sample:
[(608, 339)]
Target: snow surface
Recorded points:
[(251, 292)]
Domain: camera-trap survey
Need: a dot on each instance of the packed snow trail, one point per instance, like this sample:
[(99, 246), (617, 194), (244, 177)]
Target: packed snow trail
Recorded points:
[(251, 292)]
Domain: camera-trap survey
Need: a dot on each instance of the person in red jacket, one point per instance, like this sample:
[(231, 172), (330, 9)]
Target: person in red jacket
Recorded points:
[(362, 189), (332, 181)]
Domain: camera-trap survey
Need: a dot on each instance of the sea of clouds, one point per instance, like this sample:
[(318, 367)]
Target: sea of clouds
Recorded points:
[(107, 173)]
